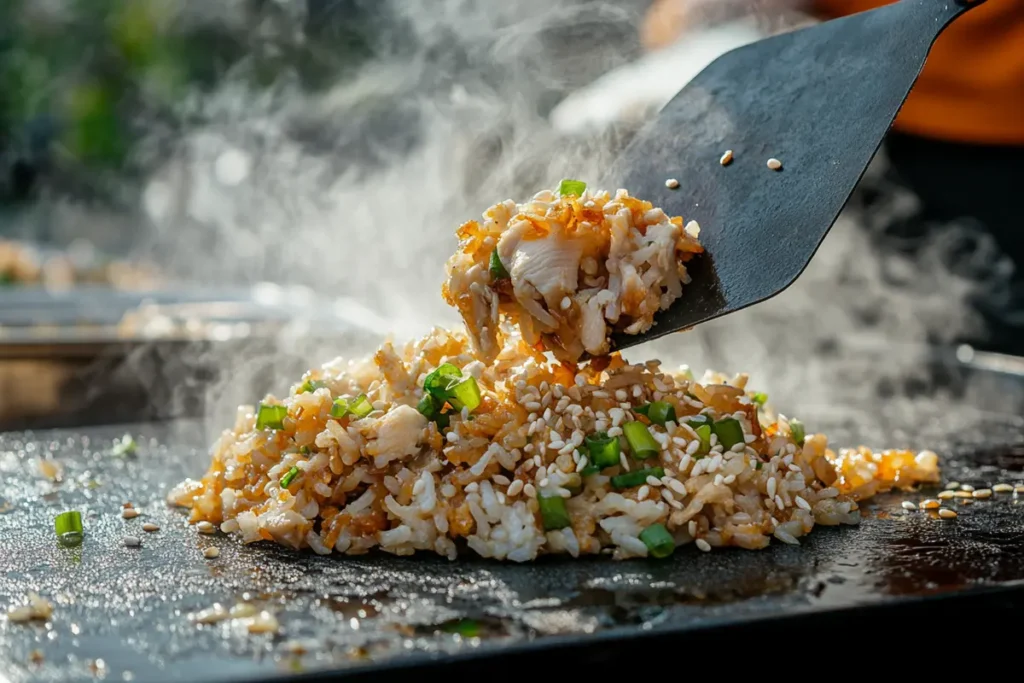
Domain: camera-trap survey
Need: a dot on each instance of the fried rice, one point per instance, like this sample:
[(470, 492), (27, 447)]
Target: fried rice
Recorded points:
[(567, 269)]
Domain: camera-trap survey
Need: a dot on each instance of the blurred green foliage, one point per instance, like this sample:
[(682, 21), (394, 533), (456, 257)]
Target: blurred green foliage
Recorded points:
[(99, 70)]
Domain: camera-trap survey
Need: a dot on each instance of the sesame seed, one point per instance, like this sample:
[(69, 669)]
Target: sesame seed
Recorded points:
[(566, 303), (1002, 488), (472, 487), (672, 183), (150, 527), (499, 479), (452, 437), (515, 488), (953, 485), (774, 164), (946, 495), (800, 502), (966, 487), (544, 482), (643, 492), (621, 395), (982, 493), (623, 461), (703, 545), (691, 527), (533, 406), (205, 527), (211, 553), (129, 513), (132, 541), (726, 158), (963, 494), (530, 491), (946, 513), (778, 502), (556, 445), (667, 495), (771, 486), (908, 505), (930, 504)]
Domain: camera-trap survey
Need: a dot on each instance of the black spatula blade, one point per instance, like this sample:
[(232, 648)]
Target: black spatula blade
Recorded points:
[(820, 100)]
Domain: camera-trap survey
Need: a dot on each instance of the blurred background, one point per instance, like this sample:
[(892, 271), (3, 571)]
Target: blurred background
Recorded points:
[(199, 200)]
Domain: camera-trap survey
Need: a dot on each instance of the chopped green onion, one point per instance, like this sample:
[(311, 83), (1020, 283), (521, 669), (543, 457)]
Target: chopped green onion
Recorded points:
[(339, 408), (658, 412), (704, 434), (271, 417), (304, 450), (729, 431), (603, 449), (68, 526), (589, 471), (467, 628), (497, 268), (658, 540), (553, 512), (641, 443), (758, 465), (698, 420), (796, 430), (286, 480), (439, 381), (636, 477), (124, 446), (574, 187), (760, 398), (311, 385), (360, 406), (430, 408), (465, 394)]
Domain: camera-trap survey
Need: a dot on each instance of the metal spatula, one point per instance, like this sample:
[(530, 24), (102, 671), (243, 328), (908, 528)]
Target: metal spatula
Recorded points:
[(819, 100)]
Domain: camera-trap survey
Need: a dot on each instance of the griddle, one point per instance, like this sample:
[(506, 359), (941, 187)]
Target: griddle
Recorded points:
[(377, 614)]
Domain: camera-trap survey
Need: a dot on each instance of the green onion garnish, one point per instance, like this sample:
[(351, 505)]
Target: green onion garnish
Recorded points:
[(311, 385), (574, 187), (704, 434), (698, 420), (497, 268), (636, 477), (431, 409), (271, 417), (760, 398), (465, 394), (553, 512), (658, 540), (758, 465), (658, 412), (304, 450), (603, 450), (339, 408), (729, 431), (467, 628), (286, 480), (68, 526), (796, 430), (438, 382), (124, 446), (360, 406), (589, 471), (641, 443)]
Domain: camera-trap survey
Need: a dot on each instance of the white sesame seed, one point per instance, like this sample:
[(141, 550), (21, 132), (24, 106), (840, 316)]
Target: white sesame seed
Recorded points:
[(499, 479), (726, 158), (966, 487), (452, 437), (129, 513), (691, 527), (953, 485), (205, 527), (150, 527), (515, 487), (672, 183), (643, 493), (667, 495), (779, 503), (703, 545), (530, 490), (621, 395), (946, 513), (801, 503), (544, 482), (472, 487), (211, 553), (719, 479), (556, 445), (653, 481), (774, 164), (132, 541), (1002, 488), (533, 406), (676, 486), (566, 303), (908, 505), (615, 431), (772, 486), (982, 493), (946, 495), (623, 461), (729, 480)]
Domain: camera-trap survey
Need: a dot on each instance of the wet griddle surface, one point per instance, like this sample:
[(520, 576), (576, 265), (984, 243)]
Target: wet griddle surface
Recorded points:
[(123, 613)]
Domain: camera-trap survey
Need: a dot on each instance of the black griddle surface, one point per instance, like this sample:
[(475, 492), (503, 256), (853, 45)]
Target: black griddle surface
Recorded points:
[(130, 607)]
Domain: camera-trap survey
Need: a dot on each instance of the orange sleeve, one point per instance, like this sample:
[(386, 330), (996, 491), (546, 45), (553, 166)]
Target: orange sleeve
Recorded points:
[(972, 86)]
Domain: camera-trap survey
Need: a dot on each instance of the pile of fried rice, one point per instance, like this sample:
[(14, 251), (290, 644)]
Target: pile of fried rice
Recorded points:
[(482, 440)]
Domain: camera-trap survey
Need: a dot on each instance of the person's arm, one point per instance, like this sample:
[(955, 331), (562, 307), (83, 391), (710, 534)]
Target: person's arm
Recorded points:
[(667, 19)]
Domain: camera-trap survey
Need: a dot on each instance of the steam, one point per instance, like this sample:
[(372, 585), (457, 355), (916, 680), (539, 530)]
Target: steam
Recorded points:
[(356, 195)]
